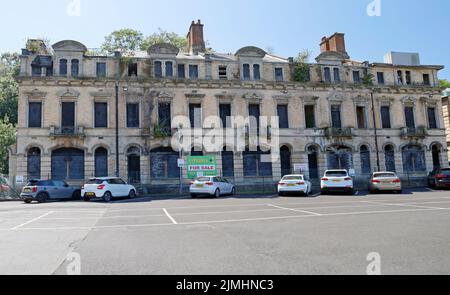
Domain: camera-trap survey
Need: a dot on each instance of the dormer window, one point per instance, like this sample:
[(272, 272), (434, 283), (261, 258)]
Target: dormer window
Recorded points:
[(193, 71), (256, 72), (181, 71), (426, 79), (63, 67), (169, 69), (279, 74), (133, 70), (246, 72), (399, 78), (75, 69), (408, 78), (223, 73), (158, 69), (101, 70), (337, 75), (327, 74), (356, 77)]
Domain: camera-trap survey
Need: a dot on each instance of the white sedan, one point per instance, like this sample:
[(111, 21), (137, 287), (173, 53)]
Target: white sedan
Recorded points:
[(212, 186), (294, 184), (107, 188)]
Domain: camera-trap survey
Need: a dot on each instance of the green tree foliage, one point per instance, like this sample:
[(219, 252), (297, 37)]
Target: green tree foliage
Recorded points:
[(124, 40), (9, 69), (7, 138), (164, 37), (301, 66), (444, 83)]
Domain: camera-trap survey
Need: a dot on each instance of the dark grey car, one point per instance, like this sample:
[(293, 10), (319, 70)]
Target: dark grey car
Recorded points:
[(44, 190)]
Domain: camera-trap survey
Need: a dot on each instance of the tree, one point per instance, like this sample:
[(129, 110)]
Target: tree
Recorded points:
[(9, 69), (301, 67), (7, 138), (444, 83), (164, 37), (124, 40)]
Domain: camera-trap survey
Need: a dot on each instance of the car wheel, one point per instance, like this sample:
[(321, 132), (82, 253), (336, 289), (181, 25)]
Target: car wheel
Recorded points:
[(76, 195), (217, 194), (42, 197), (233, 191), (132, 194), (28, 201), (107, 197)]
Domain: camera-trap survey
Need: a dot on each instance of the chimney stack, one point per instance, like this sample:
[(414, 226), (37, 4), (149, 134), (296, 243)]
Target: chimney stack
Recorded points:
[(196, 42), (334, 43)]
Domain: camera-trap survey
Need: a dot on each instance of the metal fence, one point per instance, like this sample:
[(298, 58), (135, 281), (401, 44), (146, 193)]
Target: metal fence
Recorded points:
[(8, 191)]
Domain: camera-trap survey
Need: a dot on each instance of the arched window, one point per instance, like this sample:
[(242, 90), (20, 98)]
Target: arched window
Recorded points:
[(169, 69), (285, 155), (68, 164), (134, 165), (436, 151), (257, 164), (366, 167), (313, 162), (327, 74), (389, 155), (63, 67), (227, 163), (256, 72), (158, 69), (75, 68), (339, 157), (101, 162), (246, 72), (414, 159), (164, 164), (34, 163)]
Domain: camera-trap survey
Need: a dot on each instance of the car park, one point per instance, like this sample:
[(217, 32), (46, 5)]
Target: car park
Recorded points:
[(45, 190), (385, 181), (211, 186), (439, 178), (107, 188), (337, 181), (294, 184)]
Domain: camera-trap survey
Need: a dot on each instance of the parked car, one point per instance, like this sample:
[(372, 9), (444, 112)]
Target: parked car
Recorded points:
[(44, 190), (294, 184), (107, 188), (337, 181), (385, 181), (211, 186), (439, 178)]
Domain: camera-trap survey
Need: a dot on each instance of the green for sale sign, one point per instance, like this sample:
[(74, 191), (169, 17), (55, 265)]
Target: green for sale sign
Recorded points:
[(201, 166)]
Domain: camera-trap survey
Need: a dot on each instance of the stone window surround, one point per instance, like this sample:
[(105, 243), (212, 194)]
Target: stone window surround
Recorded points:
[(410, 102), (362, 102), (310, 101), (431, 104), (163, 67), (40, 99), (252, 73), (225, 98), (384, 101), (134, 98), (164, 97)]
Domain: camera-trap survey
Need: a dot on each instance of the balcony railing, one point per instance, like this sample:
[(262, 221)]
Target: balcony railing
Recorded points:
[(76, 131), (419, 132), (339, 132)]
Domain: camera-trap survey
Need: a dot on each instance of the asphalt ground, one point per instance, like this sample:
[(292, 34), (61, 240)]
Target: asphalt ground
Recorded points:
[(244, 235)]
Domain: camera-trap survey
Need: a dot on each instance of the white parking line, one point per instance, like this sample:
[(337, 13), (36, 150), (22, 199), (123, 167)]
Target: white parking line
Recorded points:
[(32, 220), (294, 210), (403, 205), (170, 217)]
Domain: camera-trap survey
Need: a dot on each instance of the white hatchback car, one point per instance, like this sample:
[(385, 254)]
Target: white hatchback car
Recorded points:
[(211, 186), (107, 188), (294, 184), (337, 181)]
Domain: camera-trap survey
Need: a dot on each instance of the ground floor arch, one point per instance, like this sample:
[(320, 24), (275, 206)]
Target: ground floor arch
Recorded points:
[(68, 164)]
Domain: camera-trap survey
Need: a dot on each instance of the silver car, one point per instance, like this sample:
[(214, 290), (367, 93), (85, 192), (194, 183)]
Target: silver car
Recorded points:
[(211, 186), (44, 190), (385, 181)]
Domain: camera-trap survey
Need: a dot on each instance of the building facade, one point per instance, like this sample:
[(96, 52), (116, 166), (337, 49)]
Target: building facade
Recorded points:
[(347, 114), (446, 112)]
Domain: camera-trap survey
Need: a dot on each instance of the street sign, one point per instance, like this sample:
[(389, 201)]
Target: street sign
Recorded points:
[(181, 163), (201, 166), (301, 168), (20, 179)]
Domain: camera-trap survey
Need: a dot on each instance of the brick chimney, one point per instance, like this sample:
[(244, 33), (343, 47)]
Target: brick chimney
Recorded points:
[(334, 43), (196, 42)]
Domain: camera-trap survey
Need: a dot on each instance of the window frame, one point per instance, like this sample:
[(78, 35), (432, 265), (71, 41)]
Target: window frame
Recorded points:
[(40, 114), (137, 113)]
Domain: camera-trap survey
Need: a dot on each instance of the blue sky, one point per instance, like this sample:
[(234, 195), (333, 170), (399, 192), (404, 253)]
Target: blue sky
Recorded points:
[(285, 26)]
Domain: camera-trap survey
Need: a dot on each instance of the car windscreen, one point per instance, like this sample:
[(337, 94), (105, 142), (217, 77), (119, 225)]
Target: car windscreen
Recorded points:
[(446, 172), (95, 181), (384, 175), (203, 179), (336, 174), (290, 178)]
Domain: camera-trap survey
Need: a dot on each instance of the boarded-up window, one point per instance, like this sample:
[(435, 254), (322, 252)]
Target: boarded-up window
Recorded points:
[(164, 164), (101, 115), (386, 117), (227, 164), (254, 115), (158, 69), (255, 166), (313, 162), (339, 158), (356, 77), (36, 71), (361, 117), (389, 154), (195, 115), (169, 69), (164, 117), (283, 116), (101, 162), (246, 71), (436, 153), (181, 71), (35, 115), (132, 115), (75, 68), (310, 116), (327, 74), (380, 78), (409, 117), (279, 74), (68, 117), (225, 115), (101, 69), (34, 163), (256, 72), (68, 164), (432, 122), (285, 157), (414, 159), (134, 165), (336, 116), (365, 160), (193, 72), (63, 67), (337, 75)]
